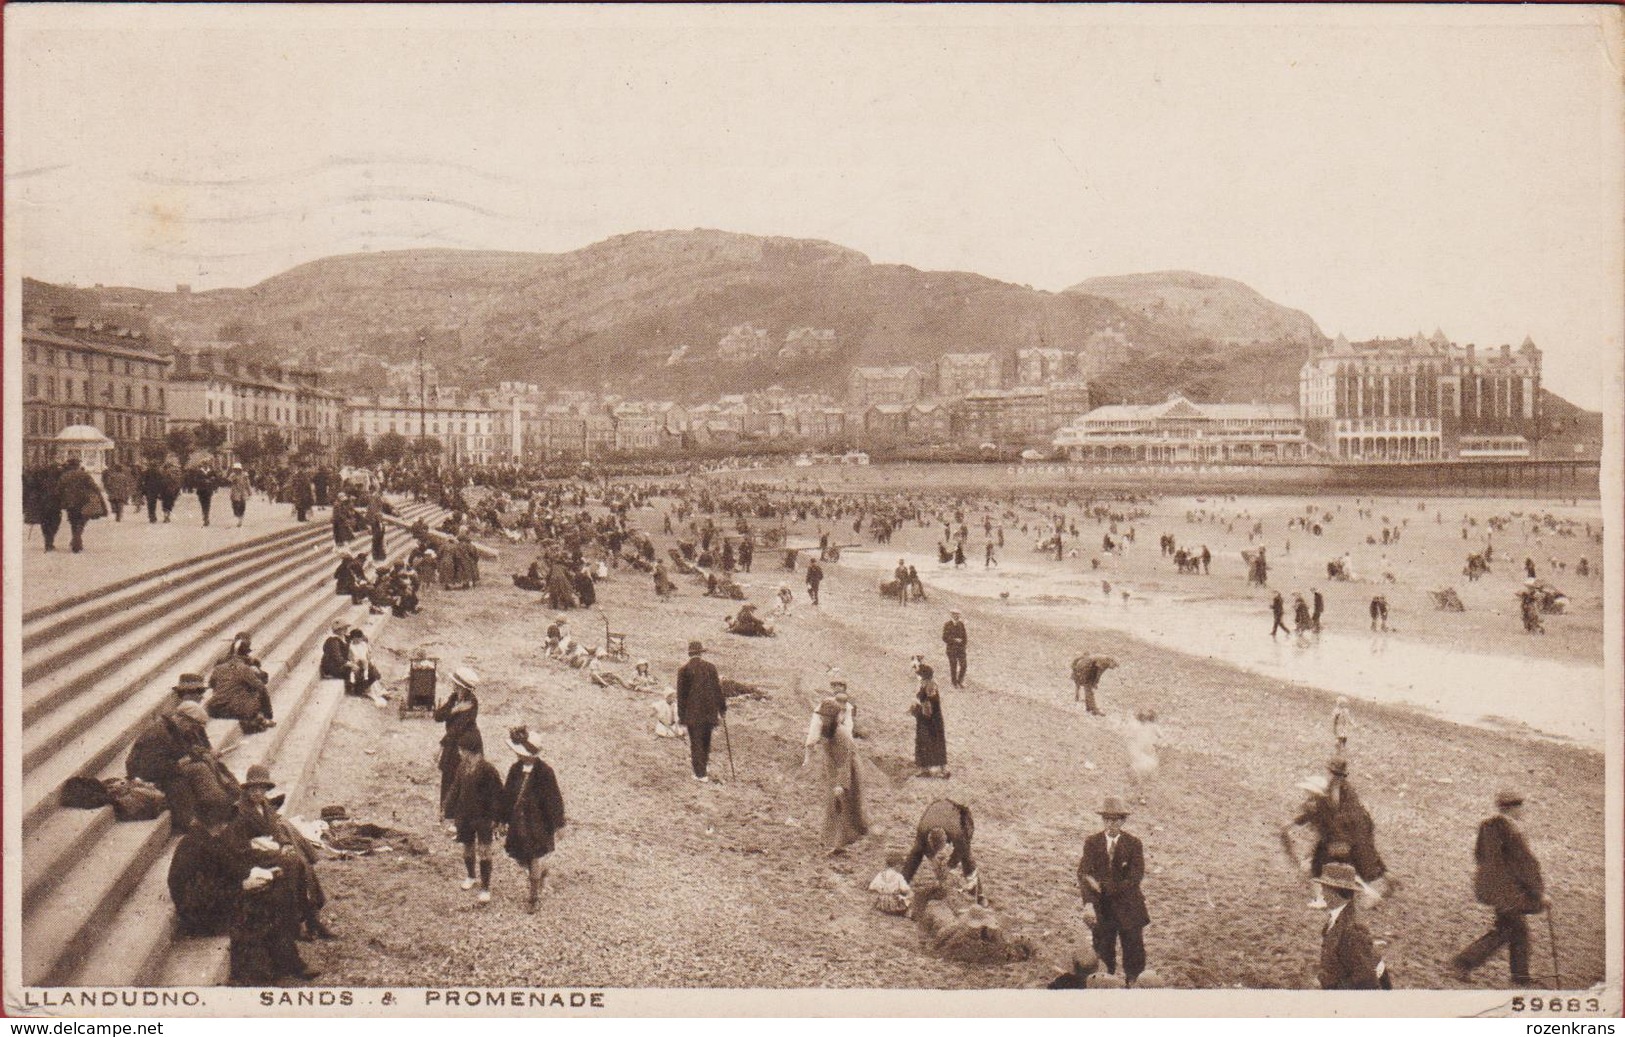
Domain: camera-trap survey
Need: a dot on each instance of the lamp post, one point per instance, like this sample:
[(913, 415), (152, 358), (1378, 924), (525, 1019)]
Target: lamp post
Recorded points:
[(423, 403)]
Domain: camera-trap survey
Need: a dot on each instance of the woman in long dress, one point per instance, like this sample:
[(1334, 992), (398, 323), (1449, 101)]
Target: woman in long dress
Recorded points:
[(930, 735), (831, 735)]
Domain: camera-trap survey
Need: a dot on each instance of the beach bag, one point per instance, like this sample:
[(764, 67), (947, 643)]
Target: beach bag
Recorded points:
[(79, 793), (134, 799)]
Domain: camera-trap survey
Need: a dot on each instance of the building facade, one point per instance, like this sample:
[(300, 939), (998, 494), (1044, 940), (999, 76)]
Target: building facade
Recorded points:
[(1178, 430), (466, 431), (867, 386), (1421, 399), (247, 400), (1043, 366), (1027, 414), (78, 373), (961, 373)]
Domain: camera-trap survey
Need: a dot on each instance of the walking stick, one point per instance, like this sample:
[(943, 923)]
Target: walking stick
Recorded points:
[(727, 741), (1551, 936)]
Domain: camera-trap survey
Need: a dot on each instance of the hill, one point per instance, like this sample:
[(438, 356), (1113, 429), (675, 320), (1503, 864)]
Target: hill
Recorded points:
[(1204, 306), (649, 314)]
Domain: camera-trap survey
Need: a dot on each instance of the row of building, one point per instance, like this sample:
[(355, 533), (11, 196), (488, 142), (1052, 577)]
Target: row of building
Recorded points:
[(1418, 399), (1394, 400)]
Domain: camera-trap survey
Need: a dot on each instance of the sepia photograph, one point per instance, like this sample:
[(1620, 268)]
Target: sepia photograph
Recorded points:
[(431, 432)]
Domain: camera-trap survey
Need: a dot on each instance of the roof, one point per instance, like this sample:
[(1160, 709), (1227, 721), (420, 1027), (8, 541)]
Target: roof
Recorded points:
[(1179, 407), (94, 345)]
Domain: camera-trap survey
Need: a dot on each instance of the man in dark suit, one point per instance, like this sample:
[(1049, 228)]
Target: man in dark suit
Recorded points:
[(336, 653), (955, 640), (1508, 880), (1348, 958), (700, 706), (1109, 877)]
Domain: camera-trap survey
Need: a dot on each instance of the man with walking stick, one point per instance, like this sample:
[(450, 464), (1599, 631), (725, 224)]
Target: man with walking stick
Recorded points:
[(700, 707), (1508, 880)]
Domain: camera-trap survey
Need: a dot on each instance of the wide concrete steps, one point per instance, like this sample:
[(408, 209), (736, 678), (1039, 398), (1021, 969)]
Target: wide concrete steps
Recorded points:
[(95, 897)]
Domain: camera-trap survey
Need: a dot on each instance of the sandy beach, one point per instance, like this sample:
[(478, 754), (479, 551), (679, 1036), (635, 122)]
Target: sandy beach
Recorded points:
[(661, 882)]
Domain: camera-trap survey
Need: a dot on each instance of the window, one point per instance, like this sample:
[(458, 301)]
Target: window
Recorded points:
[(146, 397), (160, 397), (127, 367), (128, 395), (50, 388), (33, 385)]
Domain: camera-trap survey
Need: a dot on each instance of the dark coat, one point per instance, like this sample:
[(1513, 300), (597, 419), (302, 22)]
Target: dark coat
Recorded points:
[(477, 794), (1119, 879), (1508, 876), (534, 809), (336, 659), (152, 482), (205, 880), (239, 691), (1342, 818), (930, 734), (953, 633), (204, 789), (157, 752), (119, 484), (40, 497), (1348, 960), (700, 701), (80, 495)]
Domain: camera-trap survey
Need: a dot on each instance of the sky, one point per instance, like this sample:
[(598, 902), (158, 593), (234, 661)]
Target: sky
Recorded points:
[(1386, 170)]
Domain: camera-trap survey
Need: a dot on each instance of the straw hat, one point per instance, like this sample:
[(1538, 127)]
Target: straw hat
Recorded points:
[(1338, 875), (1113, 806), (465, 677)]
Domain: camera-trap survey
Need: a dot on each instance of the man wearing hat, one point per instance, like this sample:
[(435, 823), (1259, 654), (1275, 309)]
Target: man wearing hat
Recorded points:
[(1109, 876), (1348, 959), (258, 820), (190, 687), (700, 706), (1509, 882), (157, 752), (955, 640)]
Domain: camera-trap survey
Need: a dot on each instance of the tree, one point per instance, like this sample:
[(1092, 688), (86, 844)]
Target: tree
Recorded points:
[(355, 452), (208, 437), (179, 442), (273, 443), (153, 450), (390, 448), (427, 447), (248, 449)]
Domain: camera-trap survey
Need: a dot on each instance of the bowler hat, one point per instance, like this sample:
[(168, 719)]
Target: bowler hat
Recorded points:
[(1508, 798), (1113, 806), (695, 648), (1342, 876), (191, 684), (259, 776)]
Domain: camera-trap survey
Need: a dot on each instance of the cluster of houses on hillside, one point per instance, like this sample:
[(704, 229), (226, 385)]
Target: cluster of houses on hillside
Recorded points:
[(1421, 398)]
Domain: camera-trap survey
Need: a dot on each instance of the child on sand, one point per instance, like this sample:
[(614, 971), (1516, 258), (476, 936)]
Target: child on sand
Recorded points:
[(1342, 723), (1142, 737)]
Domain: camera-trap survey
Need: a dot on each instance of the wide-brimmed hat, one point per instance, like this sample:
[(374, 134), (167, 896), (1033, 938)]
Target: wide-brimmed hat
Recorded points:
[(465, 677), (1342, 876), (1314, 784), (1113, 806), (520, 742), (259, 776), (641, 664), (1508, 798), (191, 684), (695, 648)]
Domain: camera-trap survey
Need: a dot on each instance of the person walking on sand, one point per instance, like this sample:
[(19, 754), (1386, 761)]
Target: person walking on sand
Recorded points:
[(900, 577), (956, 641), (815, 576), (842, 790), (476, 806), (930, 734), (1278, 610), (1318, 610), (239, 490), (989, 561), (1507, 879), (1086, 673), (534, 808), (1109, 877), (700, 707), (1348, 958), (460, 713), (1379, 614), (1300, 616)]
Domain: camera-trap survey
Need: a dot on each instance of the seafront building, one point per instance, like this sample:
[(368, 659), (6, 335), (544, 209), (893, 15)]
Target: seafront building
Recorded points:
[(79, 372), (1178, 430), (1421, 399)]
